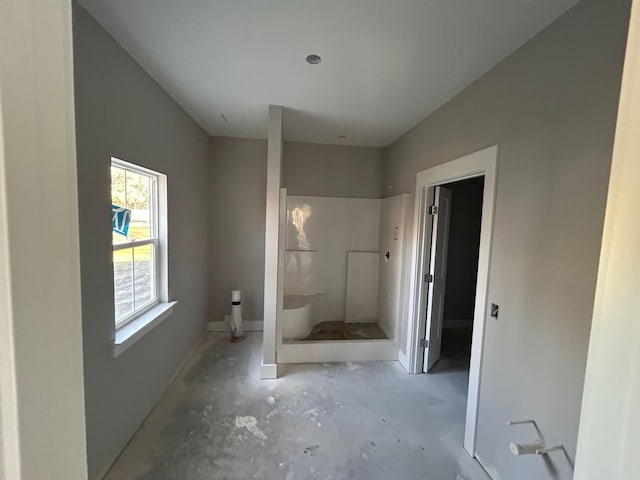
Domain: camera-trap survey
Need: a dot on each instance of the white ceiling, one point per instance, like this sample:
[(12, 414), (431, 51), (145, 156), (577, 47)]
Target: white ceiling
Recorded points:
[(386, 63)]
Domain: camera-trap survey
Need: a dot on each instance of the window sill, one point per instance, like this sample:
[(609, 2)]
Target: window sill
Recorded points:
[(137, 328)]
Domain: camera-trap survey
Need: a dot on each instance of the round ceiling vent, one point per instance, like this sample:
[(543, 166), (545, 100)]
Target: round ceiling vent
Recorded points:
[(313, 59)]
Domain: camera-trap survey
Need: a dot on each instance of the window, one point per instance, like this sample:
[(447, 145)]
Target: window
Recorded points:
[(137, 227)]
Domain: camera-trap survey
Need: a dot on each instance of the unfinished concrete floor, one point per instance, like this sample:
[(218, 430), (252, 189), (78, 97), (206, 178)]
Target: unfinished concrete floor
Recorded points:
[(365, 421)]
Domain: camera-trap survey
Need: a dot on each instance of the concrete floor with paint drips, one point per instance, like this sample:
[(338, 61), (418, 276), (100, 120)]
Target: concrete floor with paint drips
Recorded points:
[(345, 331), (364, 421)]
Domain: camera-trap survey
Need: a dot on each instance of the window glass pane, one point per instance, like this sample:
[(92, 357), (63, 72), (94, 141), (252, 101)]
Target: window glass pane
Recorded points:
[(123, 282), (135, 281), (138, 201), (144, 274), (118, 196)]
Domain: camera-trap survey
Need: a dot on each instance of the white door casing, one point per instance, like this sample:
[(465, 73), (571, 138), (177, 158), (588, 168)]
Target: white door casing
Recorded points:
[(480, 163), (42, 414), (437, 276)]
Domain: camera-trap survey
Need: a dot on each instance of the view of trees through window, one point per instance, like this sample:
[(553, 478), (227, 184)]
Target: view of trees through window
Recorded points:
[(134, 255)]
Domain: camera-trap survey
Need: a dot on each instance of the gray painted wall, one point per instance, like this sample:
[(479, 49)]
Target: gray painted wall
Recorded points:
[(464, 247), (333, 170), (121, 111), (551, 107), (237, 183)]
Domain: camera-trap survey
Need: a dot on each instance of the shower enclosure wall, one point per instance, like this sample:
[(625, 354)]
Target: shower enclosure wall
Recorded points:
[(342, 268)]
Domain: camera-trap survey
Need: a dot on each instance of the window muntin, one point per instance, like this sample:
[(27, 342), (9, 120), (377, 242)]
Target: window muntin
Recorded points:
[(135, 257)]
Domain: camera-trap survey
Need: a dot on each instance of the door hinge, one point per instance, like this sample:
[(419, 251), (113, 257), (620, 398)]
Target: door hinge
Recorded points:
[(424, 343), (428, 278), (433, 210)]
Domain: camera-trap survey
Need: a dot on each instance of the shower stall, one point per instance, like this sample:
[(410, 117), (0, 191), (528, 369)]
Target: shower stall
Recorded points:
[(342, 271)]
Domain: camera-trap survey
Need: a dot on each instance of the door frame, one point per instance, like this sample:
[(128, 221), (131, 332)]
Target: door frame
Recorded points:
[(481, 163)]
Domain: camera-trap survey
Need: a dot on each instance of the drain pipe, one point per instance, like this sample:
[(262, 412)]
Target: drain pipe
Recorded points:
[(236, 315)]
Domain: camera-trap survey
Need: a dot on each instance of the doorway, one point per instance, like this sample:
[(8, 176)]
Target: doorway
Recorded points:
[(428, 282), (455, 248)]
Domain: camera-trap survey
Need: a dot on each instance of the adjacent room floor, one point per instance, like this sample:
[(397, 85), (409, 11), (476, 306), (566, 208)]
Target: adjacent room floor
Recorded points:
[(368, 421)]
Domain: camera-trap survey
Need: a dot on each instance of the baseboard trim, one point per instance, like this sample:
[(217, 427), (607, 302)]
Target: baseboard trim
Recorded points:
[(247, 326), (269, 371), (404, 360)]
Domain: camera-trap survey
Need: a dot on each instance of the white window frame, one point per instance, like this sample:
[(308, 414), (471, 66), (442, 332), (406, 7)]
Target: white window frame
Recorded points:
[(158, 211)]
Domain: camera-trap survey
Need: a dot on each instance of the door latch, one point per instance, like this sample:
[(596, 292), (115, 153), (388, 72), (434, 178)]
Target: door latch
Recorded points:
[(424, 343)]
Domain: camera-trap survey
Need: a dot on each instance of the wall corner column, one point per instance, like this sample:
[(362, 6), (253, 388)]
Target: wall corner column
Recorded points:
[(610, 417), (42, 414), (269, 368)]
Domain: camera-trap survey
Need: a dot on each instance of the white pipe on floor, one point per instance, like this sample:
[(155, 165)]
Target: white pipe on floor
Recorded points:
[(236, 314)]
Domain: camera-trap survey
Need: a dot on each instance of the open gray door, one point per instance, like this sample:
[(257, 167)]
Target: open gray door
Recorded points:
[(437, 276)]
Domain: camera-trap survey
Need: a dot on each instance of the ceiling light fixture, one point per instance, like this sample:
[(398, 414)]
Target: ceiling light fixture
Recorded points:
[(313, 59)]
